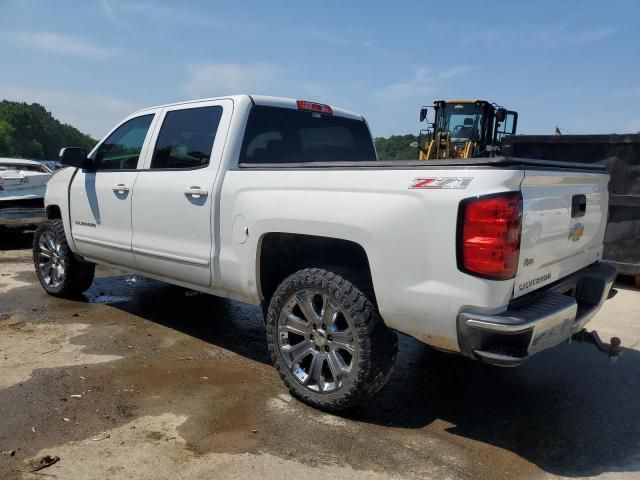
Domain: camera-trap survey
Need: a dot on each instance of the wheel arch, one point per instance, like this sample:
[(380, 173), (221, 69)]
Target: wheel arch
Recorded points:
[(53, 211), (281, 253)]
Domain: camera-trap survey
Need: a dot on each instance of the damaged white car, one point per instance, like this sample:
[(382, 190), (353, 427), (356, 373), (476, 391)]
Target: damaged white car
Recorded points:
[(22, 188)]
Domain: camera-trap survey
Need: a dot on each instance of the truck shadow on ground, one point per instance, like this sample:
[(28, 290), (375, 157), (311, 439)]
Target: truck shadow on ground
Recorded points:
[(11, 239), (234, 326), (567, 410)]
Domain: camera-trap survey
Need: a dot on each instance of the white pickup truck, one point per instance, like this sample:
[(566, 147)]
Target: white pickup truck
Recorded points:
[(283, 203)]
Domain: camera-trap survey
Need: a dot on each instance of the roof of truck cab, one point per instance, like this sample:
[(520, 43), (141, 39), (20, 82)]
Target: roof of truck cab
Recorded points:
[(461, 101), (263, 100)]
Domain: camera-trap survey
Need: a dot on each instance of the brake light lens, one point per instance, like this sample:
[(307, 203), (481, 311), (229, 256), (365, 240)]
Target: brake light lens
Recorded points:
[(314, 107), (489, 240)]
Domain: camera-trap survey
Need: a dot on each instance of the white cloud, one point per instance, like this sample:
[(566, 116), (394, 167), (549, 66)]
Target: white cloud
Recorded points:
[(123, 12), (423, 83), (348, 38), (481, 36), (90, 113), (60, 44), (108, 10), (544, 37), (553, 38), (216, 79)]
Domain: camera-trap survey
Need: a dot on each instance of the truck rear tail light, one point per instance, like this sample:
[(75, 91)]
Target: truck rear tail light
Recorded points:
[(489, 235), (314, 107)]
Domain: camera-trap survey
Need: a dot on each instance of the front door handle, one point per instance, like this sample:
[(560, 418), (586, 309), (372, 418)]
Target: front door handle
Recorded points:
[(196, 192), (121, 188)]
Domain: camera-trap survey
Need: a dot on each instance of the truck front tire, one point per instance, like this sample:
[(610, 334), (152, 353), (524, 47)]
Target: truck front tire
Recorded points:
[(60, 273), (328, 341)]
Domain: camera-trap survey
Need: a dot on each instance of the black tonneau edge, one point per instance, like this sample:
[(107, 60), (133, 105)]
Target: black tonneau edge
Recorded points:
[(495, 162)]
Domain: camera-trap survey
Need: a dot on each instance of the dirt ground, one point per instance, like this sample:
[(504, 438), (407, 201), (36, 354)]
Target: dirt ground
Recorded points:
[(139, 380)]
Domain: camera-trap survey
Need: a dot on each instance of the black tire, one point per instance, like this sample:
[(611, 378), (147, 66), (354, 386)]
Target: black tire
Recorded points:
[(77, 275), (375, 346)]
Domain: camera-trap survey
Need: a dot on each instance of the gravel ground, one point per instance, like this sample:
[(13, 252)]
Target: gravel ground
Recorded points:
[(139, 380)]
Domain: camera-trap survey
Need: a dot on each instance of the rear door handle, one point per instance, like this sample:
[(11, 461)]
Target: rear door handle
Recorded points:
[(196, 192), (121, 188)]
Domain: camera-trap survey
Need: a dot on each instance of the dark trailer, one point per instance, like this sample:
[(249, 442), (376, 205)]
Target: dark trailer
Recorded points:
[(621, 155)]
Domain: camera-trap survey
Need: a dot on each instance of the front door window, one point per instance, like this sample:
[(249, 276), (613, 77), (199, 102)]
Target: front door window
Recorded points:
[(121, 150)]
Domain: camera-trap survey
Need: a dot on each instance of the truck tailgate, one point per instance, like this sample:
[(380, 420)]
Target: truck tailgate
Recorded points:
[(564, 220)]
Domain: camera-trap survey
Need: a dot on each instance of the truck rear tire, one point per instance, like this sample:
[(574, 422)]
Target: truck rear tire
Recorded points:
[(60, 273), (328, 341)]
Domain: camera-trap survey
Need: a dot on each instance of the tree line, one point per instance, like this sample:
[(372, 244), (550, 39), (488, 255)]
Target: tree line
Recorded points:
[(397, 147), (30, 131)]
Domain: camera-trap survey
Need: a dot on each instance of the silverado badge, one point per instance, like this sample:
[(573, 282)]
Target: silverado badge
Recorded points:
[(576, 232)]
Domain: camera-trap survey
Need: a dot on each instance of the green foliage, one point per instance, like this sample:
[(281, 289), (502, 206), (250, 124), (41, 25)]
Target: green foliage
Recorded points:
[(6, 134), (30, 131), (397, 147)]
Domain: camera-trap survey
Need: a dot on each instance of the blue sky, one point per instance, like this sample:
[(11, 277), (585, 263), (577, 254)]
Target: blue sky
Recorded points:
[(575, 64)]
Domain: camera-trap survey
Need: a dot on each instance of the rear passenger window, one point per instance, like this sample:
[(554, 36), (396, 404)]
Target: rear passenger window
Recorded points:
[(186, 138)]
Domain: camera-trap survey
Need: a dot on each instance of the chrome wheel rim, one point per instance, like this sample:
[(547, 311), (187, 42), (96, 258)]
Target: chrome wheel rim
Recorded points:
[(317, 341), (50, 263)]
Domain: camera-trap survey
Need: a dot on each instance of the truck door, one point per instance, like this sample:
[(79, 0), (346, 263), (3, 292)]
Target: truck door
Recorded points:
[(100, 197), (174, 212)]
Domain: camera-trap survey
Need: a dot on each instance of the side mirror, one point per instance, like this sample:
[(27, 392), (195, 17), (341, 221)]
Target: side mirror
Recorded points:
[(501, 114), (74, 157), (423, 113)]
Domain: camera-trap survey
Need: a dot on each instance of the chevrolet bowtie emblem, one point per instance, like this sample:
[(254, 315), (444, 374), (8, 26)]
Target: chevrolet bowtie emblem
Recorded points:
[(576, 232)]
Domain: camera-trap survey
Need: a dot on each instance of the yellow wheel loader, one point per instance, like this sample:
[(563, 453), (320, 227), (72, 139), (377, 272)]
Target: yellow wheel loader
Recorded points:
[(464, 129)]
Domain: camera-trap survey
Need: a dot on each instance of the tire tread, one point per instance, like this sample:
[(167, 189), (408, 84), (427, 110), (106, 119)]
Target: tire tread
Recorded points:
[(78, 274), (378, 345)]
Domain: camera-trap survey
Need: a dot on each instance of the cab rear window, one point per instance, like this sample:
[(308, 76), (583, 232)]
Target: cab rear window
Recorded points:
[(284, 135)]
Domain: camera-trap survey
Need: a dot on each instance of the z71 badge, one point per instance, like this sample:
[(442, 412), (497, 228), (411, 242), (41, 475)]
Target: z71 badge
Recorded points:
[(441, 183)]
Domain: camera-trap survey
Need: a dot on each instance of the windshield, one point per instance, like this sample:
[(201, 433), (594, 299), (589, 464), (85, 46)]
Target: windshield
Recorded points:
[(463, 120), (284, 135)]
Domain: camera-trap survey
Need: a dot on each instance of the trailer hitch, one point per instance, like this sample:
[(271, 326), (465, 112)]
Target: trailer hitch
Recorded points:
[(613, 348)]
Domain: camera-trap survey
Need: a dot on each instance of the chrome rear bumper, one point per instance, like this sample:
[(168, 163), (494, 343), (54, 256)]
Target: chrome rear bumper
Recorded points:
[(538, 321)]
